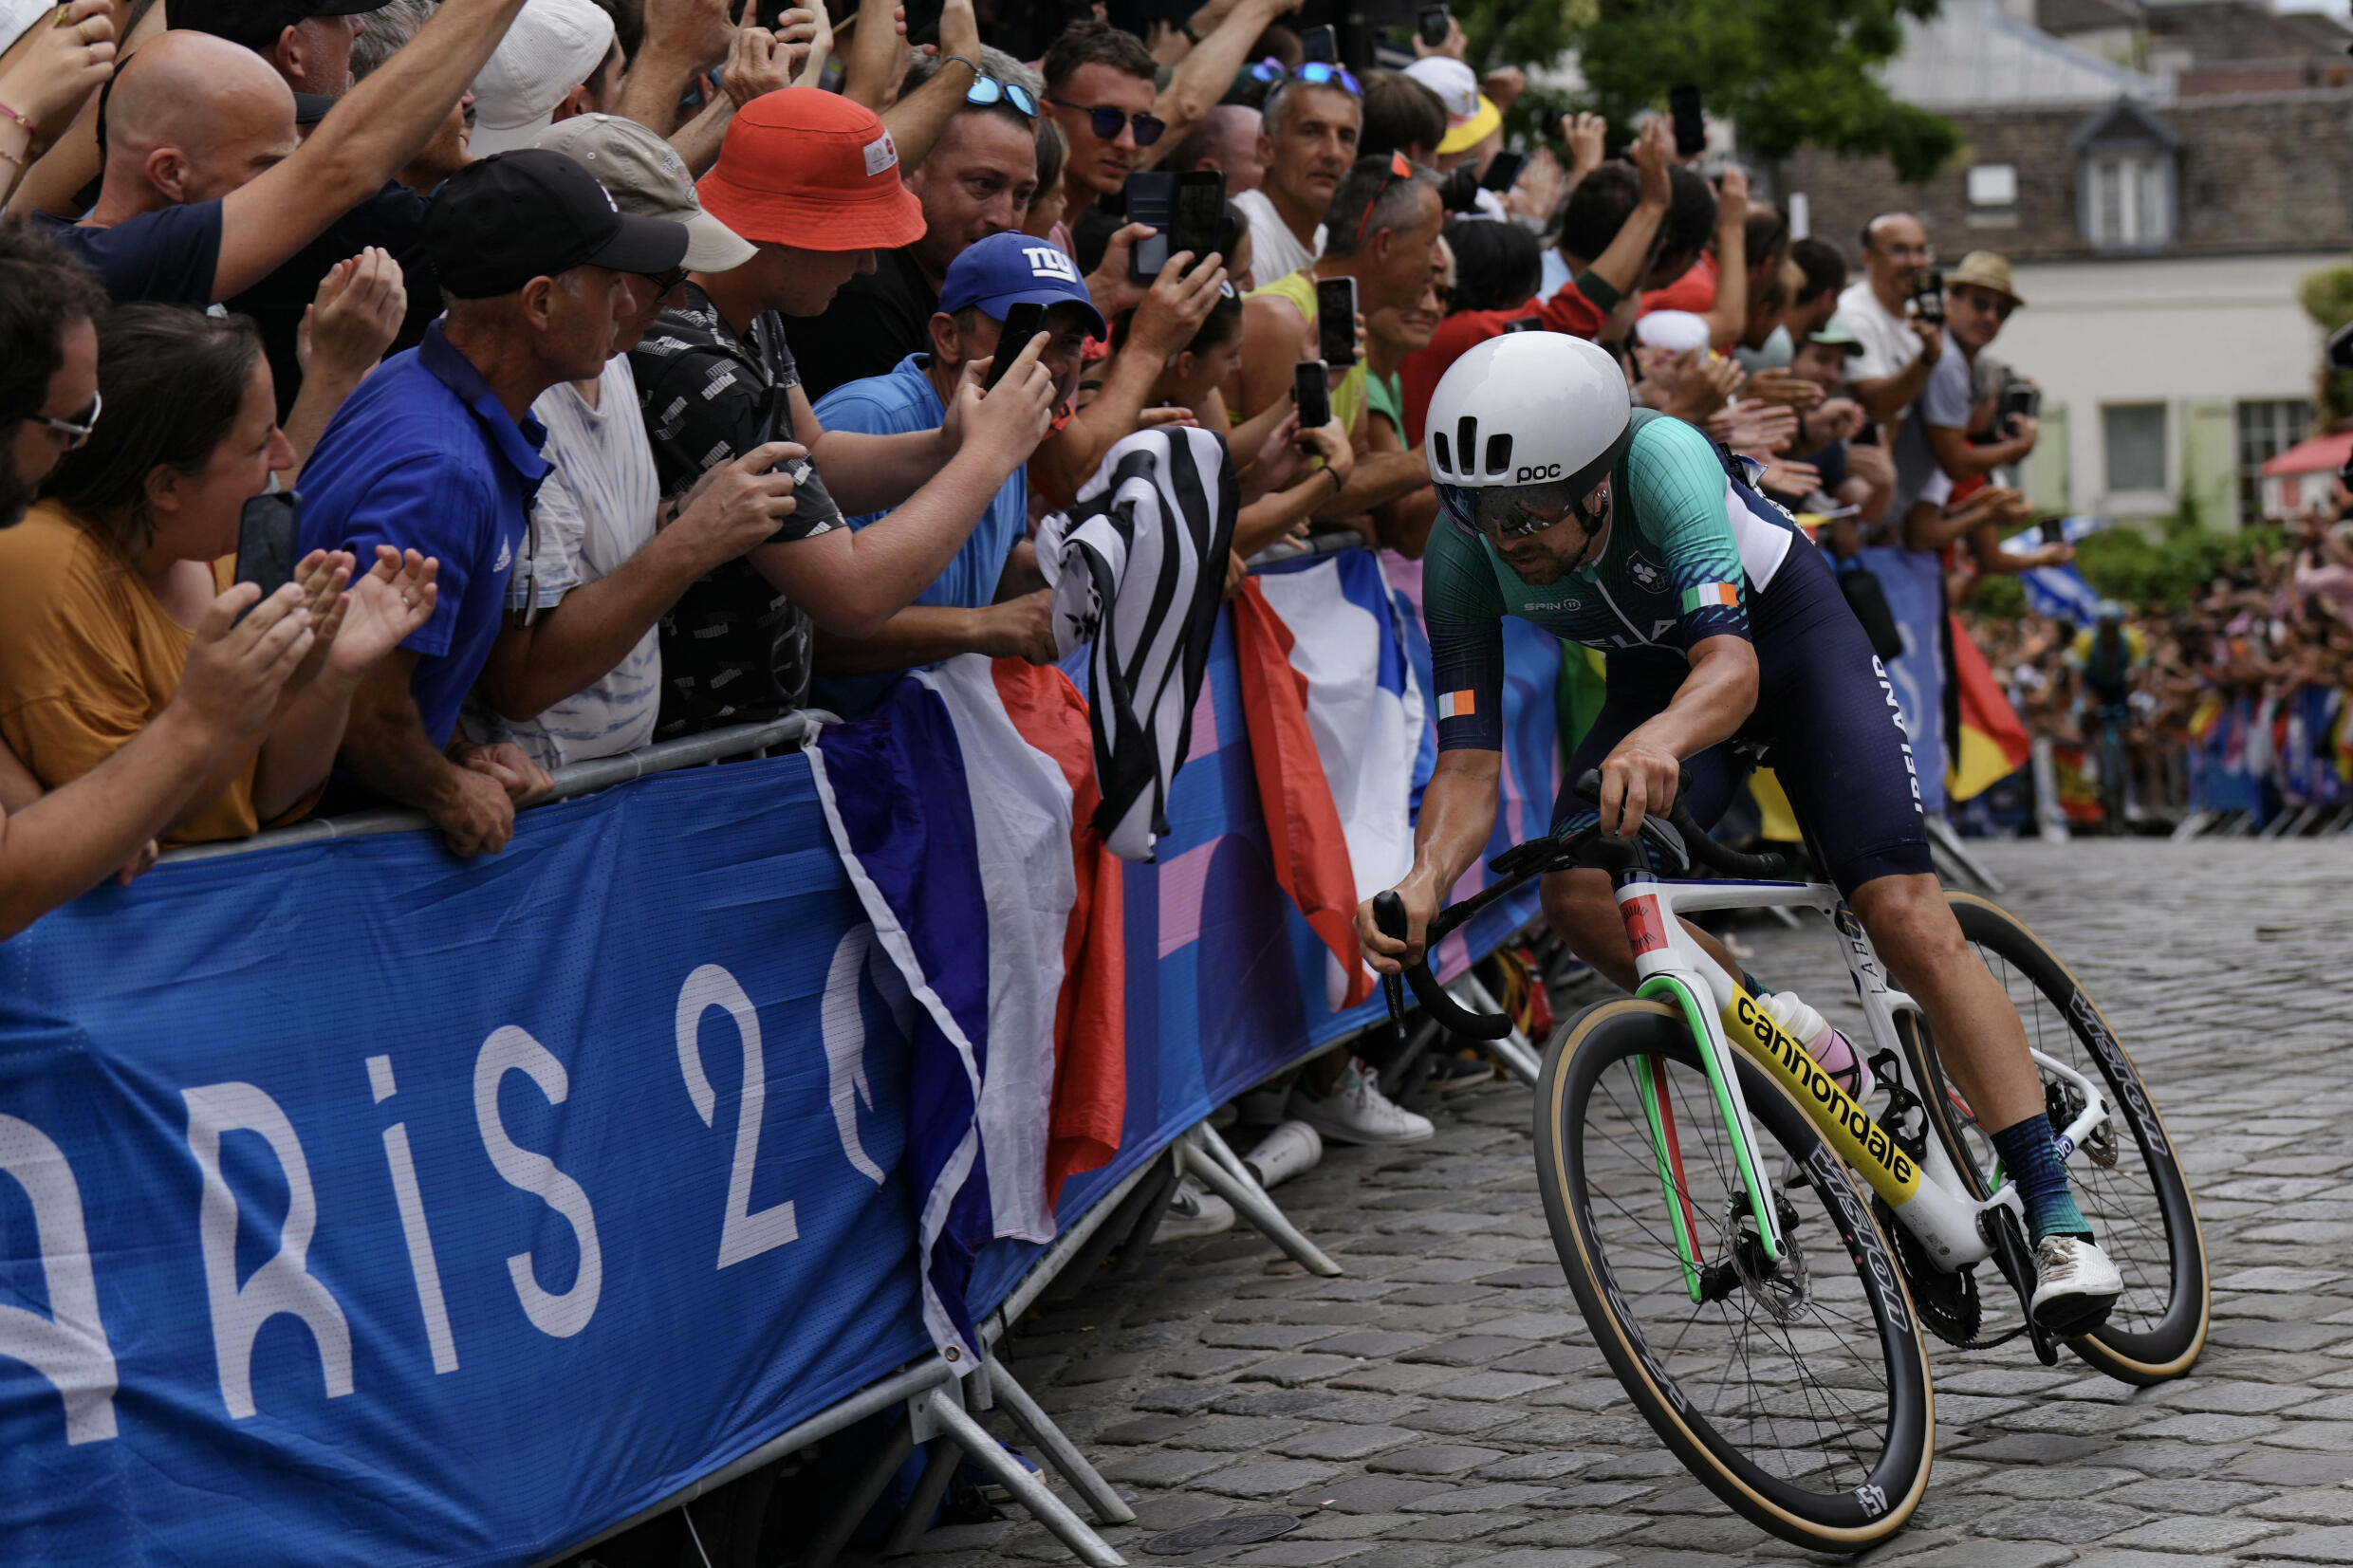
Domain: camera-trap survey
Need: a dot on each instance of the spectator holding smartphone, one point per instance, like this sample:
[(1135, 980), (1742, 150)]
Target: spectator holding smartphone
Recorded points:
[(107, 584)]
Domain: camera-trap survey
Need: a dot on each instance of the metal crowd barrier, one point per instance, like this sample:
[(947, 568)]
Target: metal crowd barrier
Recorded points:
[(712, 745)]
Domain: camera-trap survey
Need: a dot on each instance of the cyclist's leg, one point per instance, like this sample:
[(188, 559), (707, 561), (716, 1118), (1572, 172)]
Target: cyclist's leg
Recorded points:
[(1841, 755), (1579, 904)]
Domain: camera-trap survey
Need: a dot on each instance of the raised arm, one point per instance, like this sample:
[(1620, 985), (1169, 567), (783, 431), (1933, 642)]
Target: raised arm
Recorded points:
[(918, 117), (376, 129), (1628, 254), (1202, 77), (1728, 317), (879, 36)]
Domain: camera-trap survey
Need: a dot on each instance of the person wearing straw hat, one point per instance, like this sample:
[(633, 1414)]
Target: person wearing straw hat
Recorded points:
[(1980, 294)]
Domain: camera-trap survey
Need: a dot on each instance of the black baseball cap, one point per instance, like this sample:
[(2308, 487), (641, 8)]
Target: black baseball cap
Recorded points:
[(503, 220), (256, 24)]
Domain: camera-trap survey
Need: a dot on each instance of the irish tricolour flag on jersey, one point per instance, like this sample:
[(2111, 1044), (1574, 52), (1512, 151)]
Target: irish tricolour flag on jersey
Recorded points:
[(1709, 594)]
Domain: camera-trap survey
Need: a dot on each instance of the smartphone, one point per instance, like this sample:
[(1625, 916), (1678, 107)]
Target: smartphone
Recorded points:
[(266, 540), (1525, 323), (1319, 44), (1928, 297), (2021, 400), (1022, 323), (1151, 197), (1335, 321), (1867, 436), (1432, 22), (1503, 171), (2053, 529), (1690, 126), (1313, 394), (1200, 210)]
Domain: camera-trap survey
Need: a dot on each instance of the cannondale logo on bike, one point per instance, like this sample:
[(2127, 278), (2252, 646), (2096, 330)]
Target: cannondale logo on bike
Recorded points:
[(1869, 1137), (2127, 1082)]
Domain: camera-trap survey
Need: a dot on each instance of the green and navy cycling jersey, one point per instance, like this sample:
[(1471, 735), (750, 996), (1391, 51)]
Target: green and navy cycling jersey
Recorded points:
[(1688, 544)]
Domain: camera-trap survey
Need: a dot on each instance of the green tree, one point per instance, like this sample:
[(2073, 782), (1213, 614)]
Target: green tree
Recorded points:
[(1791, 73), (2327, 298)]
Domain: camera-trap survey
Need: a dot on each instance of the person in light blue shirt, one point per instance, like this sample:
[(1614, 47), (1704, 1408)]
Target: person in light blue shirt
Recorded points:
[(991, 599)]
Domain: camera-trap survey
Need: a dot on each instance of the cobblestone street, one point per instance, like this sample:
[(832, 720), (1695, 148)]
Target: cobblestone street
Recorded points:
[(1443, 1404)]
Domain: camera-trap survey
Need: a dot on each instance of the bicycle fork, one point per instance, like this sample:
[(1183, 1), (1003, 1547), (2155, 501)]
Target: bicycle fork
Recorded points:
[(1721, 1012)]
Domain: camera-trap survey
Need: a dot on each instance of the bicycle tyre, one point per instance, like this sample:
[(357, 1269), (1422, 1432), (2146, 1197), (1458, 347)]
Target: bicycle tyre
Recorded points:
[(2155, 1333), (1871, 1501)]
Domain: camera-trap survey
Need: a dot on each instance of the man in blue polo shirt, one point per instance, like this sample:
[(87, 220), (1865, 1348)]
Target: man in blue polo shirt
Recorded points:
[(437, 452), (989, 599)]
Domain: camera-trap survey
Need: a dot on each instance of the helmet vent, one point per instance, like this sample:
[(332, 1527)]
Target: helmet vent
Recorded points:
[(1446, 461), (1499, 454), (1467, 446)]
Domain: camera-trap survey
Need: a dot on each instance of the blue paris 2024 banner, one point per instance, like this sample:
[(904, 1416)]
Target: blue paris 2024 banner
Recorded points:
[(367, 1205)]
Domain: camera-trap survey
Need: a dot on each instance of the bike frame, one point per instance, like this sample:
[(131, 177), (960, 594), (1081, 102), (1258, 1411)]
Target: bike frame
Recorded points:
[(1928, 1196)]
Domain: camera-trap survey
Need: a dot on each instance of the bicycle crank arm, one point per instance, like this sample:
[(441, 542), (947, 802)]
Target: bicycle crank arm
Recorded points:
[(2009, 1240)]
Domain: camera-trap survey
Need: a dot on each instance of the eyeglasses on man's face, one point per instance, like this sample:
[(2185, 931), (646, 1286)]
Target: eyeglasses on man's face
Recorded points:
[(74, 433)]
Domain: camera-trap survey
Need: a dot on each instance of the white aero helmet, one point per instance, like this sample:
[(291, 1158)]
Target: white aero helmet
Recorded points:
[(1533, 417)]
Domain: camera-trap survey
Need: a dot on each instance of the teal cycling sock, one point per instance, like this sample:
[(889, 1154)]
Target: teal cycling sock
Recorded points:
[(1756, 987), (2029, 1154)]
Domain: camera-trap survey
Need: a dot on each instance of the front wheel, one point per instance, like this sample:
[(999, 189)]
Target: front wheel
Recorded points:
[(1796, 1390), (2127, 1177)]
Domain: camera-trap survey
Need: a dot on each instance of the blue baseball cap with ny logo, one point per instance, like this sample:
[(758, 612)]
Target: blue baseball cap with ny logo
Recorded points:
[(1008, 269)]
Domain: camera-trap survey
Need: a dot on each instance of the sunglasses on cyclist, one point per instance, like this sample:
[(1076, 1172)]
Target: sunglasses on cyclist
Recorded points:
[(76, 432), (1521, 511), (1105, 120), (1316, 73), (986, 90)]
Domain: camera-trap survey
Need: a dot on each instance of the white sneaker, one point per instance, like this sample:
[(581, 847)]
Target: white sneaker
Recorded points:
[(2075, 1285), (1355, 1111), (1837, 1055), (1290, 1149), (1194, 1211)]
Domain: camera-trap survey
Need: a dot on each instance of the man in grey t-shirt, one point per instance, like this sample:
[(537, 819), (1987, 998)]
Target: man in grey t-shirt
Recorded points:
[(1935, 441)]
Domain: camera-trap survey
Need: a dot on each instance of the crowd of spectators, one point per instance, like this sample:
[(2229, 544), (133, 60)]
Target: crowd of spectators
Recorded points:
[(2241, 700), (636, 364), (641, 367)]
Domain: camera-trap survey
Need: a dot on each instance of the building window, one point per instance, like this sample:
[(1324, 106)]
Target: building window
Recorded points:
[(2134, 437), (2128, 200), (2265, 430), (1993, 185)]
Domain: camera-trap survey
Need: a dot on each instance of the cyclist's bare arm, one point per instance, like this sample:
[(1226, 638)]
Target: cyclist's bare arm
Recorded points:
[(1457, 814), (1642, 774)]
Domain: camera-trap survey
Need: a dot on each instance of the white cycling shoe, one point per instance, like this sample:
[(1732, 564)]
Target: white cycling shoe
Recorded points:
[(1355, 1111), (2075, 1285)]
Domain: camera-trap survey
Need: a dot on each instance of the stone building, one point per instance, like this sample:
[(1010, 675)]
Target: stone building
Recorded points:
[(2166, 175)]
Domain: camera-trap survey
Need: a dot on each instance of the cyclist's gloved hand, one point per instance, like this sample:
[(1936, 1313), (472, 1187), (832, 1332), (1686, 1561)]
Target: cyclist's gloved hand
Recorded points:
[(1636, 778), (1386, 954)]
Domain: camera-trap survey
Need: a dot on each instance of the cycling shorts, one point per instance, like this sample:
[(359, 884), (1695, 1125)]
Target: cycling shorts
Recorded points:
[(1825, 707)]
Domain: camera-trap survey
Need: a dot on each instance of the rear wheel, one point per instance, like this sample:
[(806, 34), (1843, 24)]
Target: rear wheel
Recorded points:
[(2127, 1177), (1796, 1390)]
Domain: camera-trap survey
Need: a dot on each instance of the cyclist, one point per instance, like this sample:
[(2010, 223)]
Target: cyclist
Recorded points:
[(1630, 531), (2107, 655)]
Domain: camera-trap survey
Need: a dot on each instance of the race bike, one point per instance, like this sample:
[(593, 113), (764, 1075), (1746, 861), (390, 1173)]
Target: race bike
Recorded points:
[(1755, 1252)]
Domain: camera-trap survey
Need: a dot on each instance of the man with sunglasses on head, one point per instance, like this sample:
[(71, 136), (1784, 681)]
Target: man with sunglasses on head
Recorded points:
[(1309, 130), (977, 180), (1629, 530)]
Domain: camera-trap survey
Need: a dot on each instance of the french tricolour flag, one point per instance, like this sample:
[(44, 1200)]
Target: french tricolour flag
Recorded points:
[(961, 807), (1335, 718)]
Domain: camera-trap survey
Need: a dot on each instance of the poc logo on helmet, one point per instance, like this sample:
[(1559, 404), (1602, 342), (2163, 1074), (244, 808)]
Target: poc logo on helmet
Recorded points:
[(1540, 471)]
